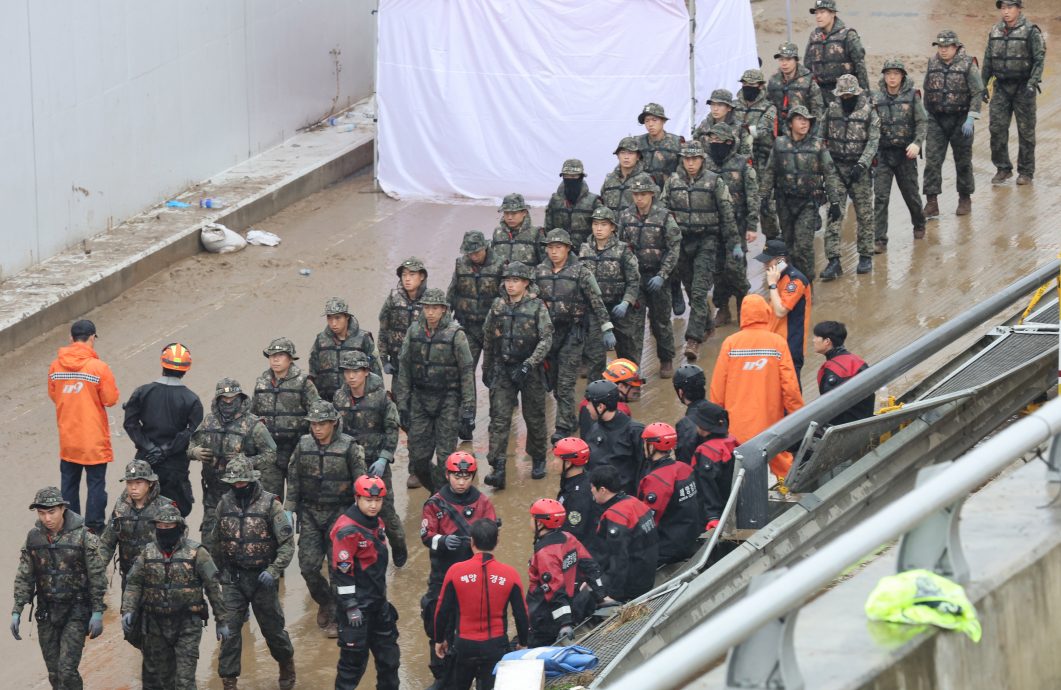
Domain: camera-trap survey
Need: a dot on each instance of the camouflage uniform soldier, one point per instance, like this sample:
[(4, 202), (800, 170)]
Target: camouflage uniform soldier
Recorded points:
[(282, 394), (792, 85), (130, 528), (60, 565), (615, 192), (723, 110), (342, 334), (323, 468), (833, 50), (369, 415), (164, 604), (518, 335), (614, 266), (801, 173), (435, 391), (659, 149), (758, 116), (852, 130), (649, 228), (571, 293), (229, 430), (701, 204), (257, 544), (952, 99), (738, 171), (902, 134), (475, 284), (400, 310), (1015, 57), (516, 238), (572, 204)]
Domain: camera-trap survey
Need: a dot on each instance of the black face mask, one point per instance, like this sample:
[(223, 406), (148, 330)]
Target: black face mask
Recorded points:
[(228, 410), (750, 93), (719, 151), (243, 493), (848, 104), (167, 538), (572, 189)]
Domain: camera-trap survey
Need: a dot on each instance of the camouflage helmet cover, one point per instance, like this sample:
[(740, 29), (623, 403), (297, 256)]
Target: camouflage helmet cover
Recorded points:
[(336, 305), (168, 513), (603, 213), (572, 166), (354, 359), (434, 296), (321, 411), (227, 388), (654, 109), (411, 264), (48, 497), (139, 469), (847, 85), (513, 202), (278, 345), (559, 235), (518, 269), (240, 469), (642, 182), (473, 241), (628, 144)]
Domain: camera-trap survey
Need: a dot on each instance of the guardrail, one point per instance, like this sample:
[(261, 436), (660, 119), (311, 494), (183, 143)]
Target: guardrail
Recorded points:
[(776, 597)]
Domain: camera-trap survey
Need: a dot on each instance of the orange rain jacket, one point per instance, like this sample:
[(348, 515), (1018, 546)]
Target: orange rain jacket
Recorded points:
[(754, 378), (81, 385)]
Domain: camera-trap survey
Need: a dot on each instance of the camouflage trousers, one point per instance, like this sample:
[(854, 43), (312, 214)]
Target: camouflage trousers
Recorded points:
[(504, 396), (946, 130), (892, 162), (1008, 102), (241, 592), (61, 634), (861, 194), (171, 651), (800, 219), (561, 371), (314, 547), (656, 307), (273, 475), (475, 341), (767, 220), (434, 418), (212, 493), (731, 275), (696, 273)]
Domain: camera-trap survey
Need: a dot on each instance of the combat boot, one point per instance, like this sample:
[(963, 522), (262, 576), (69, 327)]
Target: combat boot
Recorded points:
[(332, 630), (965, 205), (879, 246), (412, 482), (232, 683), (919, 232), (1023, 179), (538, 469), (723, 317), (666, 370), (287, 674), (832, 271), (324, 616), (1001, 176), (692, 350), (865, 264), (496, 478), (931, 209)]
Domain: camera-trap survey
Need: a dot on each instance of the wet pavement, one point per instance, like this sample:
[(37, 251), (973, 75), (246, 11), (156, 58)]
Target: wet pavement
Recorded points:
[(226, 308)]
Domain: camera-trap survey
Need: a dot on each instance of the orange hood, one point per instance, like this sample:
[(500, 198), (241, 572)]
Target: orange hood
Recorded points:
[(74, 356), (754, 311)]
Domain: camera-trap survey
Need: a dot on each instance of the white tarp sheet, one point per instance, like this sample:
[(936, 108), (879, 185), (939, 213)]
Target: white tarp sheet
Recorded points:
[(725, 47), (480, 99)]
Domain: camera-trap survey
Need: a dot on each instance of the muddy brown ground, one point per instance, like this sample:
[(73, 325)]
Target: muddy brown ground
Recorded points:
[(226, 308)]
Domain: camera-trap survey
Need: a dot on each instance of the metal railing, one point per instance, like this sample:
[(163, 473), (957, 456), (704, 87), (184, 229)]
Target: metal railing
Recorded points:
[(690, 657)]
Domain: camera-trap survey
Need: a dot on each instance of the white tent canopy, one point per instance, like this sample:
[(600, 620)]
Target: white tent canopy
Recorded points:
[(481, 98)]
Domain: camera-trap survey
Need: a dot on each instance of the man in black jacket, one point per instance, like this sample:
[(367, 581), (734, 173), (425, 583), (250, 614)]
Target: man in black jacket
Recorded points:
[(614, 439), (160, 418), (840, 366)]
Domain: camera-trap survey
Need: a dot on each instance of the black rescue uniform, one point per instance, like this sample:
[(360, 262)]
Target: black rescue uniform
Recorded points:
[(558, 568), (628, 547), (713, 467), (840, 366), (669, 491), (582, 510), (617, 442), (359, 575)]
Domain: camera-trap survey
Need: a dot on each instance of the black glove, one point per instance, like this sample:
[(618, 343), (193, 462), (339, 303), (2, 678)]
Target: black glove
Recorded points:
[(467, 426), (986, 97), (154, 455), (834, 213), (127, 622), (388, 368), (1030, 91), (404, 419), (452, 542), (354, 617), (764, 206), (857, 171), (520, 375), (566, 633), (488, 376)]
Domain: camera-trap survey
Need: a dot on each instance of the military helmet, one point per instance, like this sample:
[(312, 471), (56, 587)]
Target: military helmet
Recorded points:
[(602, 392), (321, 411), (651, 109), (947, 37), (278, 345), (412, 264), (723, 131), (473, 241), (893, 63), (824, 5), (603, 213), (559, 235), (801, 111), (1000, 3), (753, 76), (692, 149), (628, 144), (168, 513), (787, 50), (139, 469), (240, 469), (227, 388), (847, 85), (513, 202), (434, 296), (642, 182), (518, 269), (572, 166), (336, 305), (724, 96), (48, 497), (354, 359)]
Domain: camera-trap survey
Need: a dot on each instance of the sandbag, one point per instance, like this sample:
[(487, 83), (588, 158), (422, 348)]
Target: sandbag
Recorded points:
[(218, 239)]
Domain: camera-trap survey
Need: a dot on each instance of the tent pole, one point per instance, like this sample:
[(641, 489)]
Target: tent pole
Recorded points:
[(788, 19), (375, 96), (691, 4)]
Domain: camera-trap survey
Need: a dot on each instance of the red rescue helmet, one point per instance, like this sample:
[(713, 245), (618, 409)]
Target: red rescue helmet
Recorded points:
[(176, 357), (573, 450), (549, 512), (461, 461), (661, 435), (623, 371), (369, 486)]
